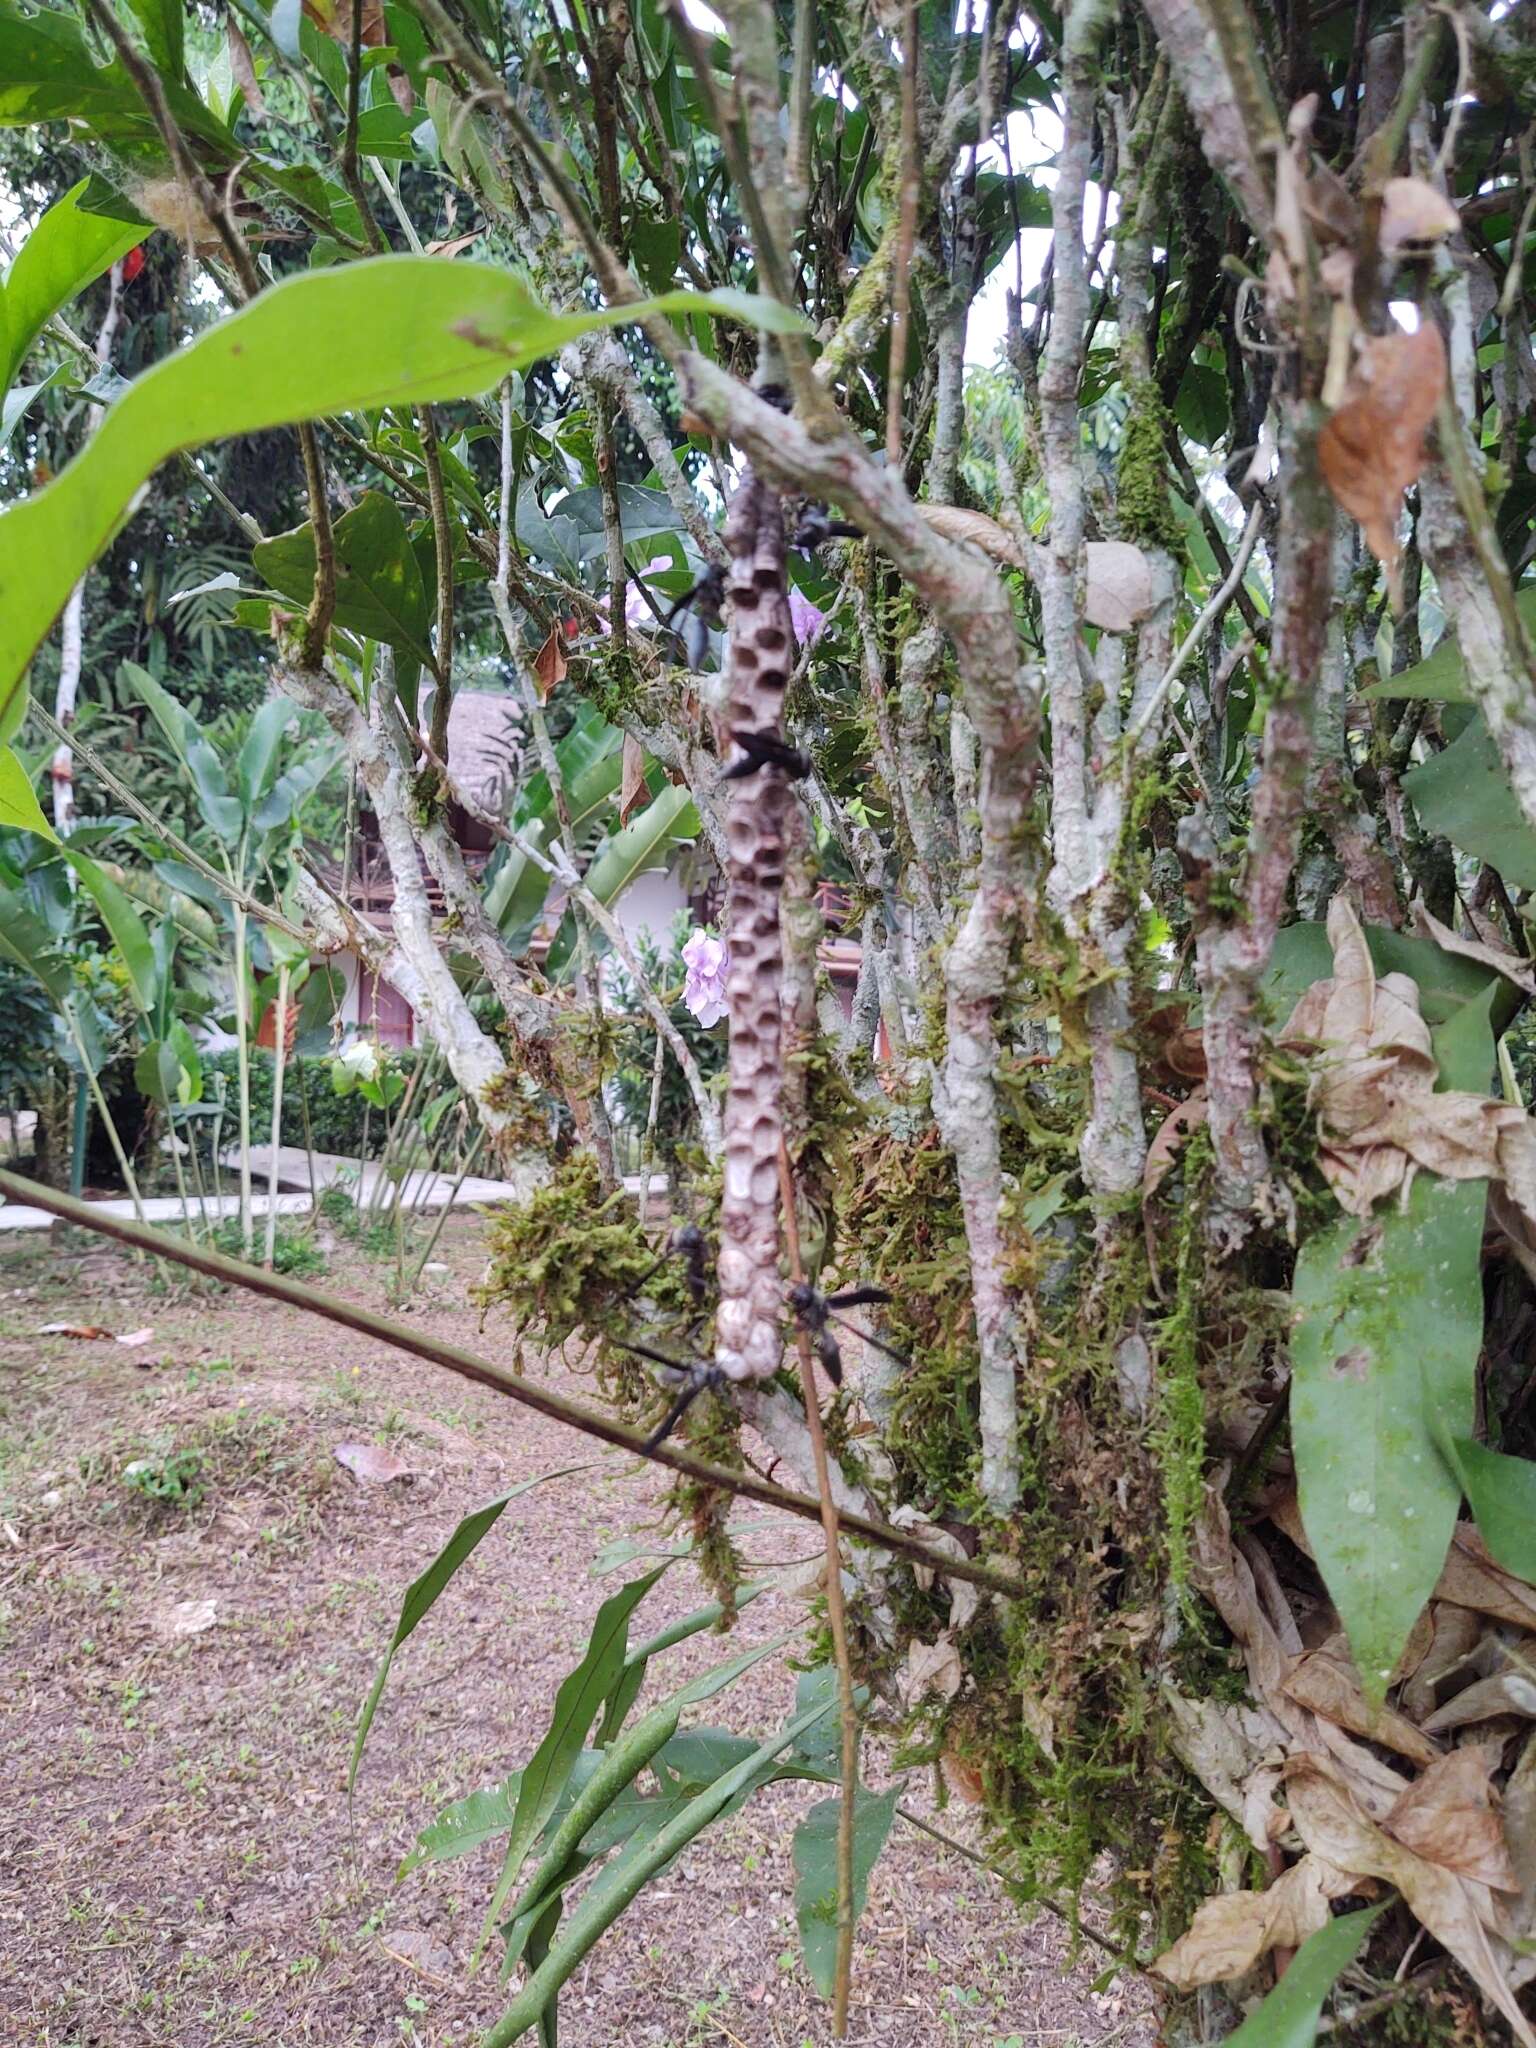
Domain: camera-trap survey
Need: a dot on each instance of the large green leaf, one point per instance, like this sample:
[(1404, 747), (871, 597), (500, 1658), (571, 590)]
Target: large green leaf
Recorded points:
[(27, 943), (161, 22), (641, 845), (1442, 676), (48, 74), (20, 810), (386, 331), (62, 255), (380, 592), (424, 1592), (1289, 2015), (816, 1872), (121, 917), (1384, 1349), (258, 756), (1465, 794), (220, 808)]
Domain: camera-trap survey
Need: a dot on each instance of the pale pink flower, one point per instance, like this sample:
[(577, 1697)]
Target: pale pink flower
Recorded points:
[(806, 618), (708, 961)]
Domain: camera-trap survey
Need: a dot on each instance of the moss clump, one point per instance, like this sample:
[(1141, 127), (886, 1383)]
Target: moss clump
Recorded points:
[(1142, 496), (713, 1431)]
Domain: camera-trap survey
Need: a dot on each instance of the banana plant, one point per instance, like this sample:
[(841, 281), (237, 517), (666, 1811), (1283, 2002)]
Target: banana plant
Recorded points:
[(252, 814)]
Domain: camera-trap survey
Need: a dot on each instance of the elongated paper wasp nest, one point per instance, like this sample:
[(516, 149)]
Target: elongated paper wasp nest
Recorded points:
[(760, 648)]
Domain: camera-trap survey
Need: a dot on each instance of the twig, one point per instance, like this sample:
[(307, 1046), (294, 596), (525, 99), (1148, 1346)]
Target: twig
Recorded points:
[(1213, 610), (906, 236), (350, 176), (502, 1379), (442, 539), (836, 1615), (322, 603)]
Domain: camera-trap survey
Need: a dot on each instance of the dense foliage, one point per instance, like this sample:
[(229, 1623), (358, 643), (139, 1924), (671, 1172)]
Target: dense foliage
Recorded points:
[(1160, 697)]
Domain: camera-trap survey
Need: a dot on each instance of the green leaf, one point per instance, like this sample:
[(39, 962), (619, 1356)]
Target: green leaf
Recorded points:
[(465, 1825), (26, 942), (640, 845), (128, 931), (1445, 981), (258, 756), (816, 1872), (48, 74), (1501, 1492), (423, 1593), (577, 1705), (1384, 1349), (64, 253), (1465, 794), (390, 330), (14, 407), (161, 22), (20, 810), (379, 588), (1202, 406), (623, 1880), (1289, 2015), (221, 810), (1442, 676)]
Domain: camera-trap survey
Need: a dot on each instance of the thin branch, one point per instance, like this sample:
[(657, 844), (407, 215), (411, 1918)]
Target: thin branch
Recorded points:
[(906, 237), (501, 1379)]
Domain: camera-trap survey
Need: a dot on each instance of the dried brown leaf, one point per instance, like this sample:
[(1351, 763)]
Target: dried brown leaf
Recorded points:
[(1172, 1133), (1448, 1816), (1224, 1747), (963, 1779), (1330, 205), (1331, 1689), (1499, 958), (1472, 1579), (979, 528), (1372, 448), (1413, 214), (549, 664), (243, 70), (372, 1464), (633, 794), (1507, 1692), (1119, 591), (1451, 1906), (932, 1667), (1231, 1932)]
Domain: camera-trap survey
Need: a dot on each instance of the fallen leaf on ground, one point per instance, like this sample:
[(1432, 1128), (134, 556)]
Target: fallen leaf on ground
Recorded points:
[(1333, 1826), (187, 1618), (1230, 1932), (1507, 1692), (132, 1339), (422, 1953), (1372, 448), (87, 1331), (1330, 1688), (372, 1463), (1223, 1746), (1448, 1816)]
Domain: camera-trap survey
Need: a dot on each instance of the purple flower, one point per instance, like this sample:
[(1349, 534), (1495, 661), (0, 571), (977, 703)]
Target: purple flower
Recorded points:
[(708, 961), (806, 618)]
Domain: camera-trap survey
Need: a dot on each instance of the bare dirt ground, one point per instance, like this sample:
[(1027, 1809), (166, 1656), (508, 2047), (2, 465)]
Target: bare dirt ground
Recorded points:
[(178, 1864)]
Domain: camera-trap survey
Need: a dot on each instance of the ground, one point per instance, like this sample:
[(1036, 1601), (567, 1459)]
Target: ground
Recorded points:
[(178, 1861)]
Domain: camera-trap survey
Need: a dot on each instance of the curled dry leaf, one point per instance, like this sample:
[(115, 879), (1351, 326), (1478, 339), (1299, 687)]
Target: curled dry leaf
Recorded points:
[(1414, 215), (1179, 1125), (1231, 1932), (1119, 590), (633, 793), (1499, 958), (1507, 1692), (979, 528), (1455, 1909), (1380, 1117), (1331, 1689), (549, 664), (963, 1779), (1372, 448), (932, 1667), (372, 1464), (1448, 1816), (1225, 1747), (243, 70)]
